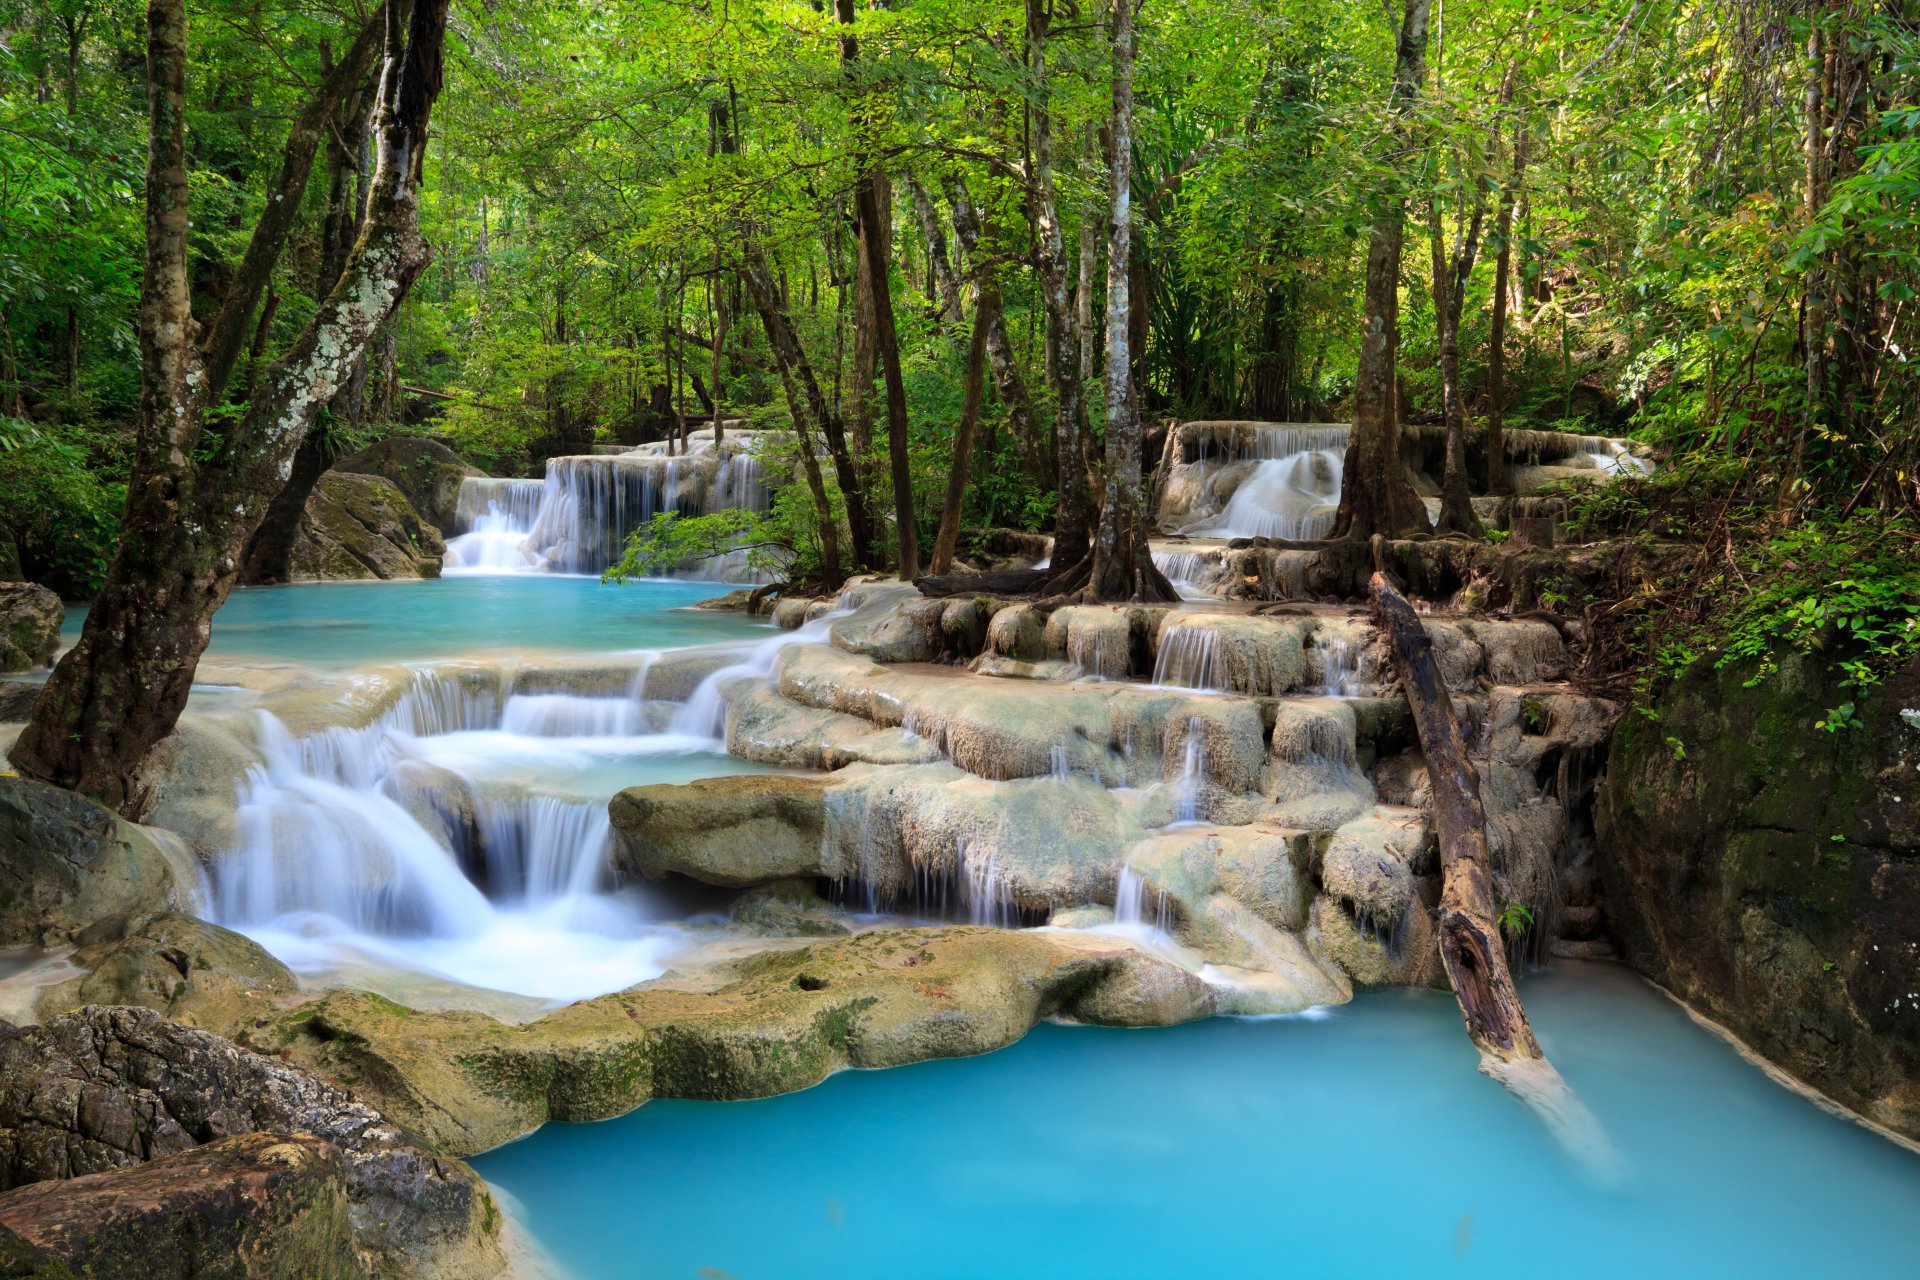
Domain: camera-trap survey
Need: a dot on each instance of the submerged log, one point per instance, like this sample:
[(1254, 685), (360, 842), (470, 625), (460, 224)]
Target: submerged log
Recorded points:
[(1468, 926), (1470, 946)]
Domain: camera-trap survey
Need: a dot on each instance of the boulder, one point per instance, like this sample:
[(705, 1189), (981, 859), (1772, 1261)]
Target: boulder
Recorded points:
[(30, 617), (362, 527), (426, 471), (108, 1088), (17, 698), (254, 1207), (734, 831), (65, 862), (194, 972), (1767, 871), (787, 909)]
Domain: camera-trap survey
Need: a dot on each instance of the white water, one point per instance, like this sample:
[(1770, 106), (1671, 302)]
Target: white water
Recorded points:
[(1293, 491), (1136, 906), (1189, 658), (1188, 806), (464, 835), (704, 714), (578, 518), (1341, 663)]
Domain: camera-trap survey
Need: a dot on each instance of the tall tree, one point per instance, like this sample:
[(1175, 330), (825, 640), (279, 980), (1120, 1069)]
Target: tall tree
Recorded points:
[(196, 494), (1123, 562), (875, 226), (1377, 495)]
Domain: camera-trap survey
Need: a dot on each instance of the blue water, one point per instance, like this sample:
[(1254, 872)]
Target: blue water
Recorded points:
[(1363, 1143), (351, 623)]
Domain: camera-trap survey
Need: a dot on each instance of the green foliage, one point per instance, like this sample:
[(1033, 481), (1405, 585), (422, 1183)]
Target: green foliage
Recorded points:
[(1515, 919), (60, 502)]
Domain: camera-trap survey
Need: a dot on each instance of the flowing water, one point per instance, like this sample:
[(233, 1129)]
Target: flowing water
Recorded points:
[(1360, 1142)]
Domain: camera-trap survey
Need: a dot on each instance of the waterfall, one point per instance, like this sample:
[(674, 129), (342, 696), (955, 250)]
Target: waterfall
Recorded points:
[(1341, 664), (989, 896), (1189, 658), (1188, 802), (1294, 497), (1059, 769), (578, 519), (704, 714), (1130, 902), (413, 842)]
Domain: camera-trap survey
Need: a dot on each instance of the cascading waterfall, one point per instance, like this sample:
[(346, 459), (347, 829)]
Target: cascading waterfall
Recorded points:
[(577, 520), (704, 714), (414, 843), (1341, 663), (1189, 658), (1293, 489)]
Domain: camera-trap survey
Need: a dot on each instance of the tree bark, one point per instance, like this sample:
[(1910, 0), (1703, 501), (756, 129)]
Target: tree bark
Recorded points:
[(978, 239), (1470, 942), (1072, 523), (192, 500), (985, 315), (875, 234), (1377, 496), (1495, 437), (946, 281), (1456, 501), (805, 401), (1123, 563)]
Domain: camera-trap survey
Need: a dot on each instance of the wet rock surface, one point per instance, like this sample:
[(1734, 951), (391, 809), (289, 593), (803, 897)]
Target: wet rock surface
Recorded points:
[(426, 471), (1768, 872), (110, 1088), (362, 526), (65, 862), (30, 617)]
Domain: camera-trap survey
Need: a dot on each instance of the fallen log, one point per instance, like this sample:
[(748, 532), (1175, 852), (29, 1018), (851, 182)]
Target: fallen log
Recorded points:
[(1471, 949)]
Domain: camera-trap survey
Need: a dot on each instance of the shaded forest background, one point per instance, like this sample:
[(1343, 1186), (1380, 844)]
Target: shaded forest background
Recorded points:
[(1691, 222)]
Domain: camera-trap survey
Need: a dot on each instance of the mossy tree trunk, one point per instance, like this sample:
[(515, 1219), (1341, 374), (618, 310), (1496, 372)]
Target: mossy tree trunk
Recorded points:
[(196, 495)]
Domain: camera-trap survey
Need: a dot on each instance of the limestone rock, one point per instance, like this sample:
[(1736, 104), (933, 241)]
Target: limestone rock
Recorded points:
[(426, 471), (30, 617), (107, 1088), (362, 526), (194, 972), (787, 909), (1767, 872), (734, 831), (254, 1207), (66, 862), (1145, 991)]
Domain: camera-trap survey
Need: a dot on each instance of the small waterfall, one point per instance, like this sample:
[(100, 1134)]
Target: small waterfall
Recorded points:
[(1131, 903), (988, 895), (1189, 658), (382, 844), (539, 849), (1188, 804), (577, 520), (1294, 497), (704, 714), (1342, 666), (1060, 771), (572, 715)]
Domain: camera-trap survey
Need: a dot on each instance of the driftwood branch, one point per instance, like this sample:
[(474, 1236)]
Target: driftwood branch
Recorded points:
[(1469, 928)]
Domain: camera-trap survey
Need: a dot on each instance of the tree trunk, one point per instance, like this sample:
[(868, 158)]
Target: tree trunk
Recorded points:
[(946, 284), (193, 501), (1456, 502), (978, 239), (805, 402), (1495, 437), (1378, 496), (875, 234), (1470, 942), (1123, 566), (269, 552), (1073, 520), (985, 316)]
